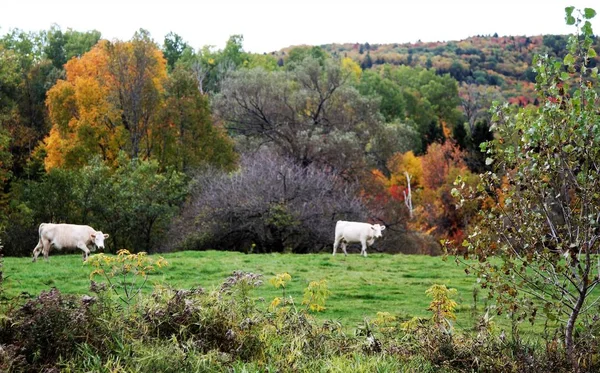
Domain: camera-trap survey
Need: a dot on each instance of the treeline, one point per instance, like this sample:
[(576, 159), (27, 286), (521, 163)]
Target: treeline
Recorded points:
[(168, 147)]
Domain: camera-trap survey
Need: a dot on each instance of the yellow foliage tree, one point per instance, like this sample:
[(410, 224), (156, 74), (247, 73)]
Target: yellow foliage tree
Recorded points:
[(107, 103)]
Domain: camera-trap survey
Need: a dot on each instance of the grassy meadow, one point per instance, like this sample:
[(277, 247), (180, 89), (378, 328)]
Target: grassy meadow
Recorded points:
[(360, 287)]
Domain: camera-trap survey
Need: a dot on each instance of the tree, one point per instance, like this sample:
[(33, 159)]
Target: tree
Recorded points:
[(298, 54), (211, 67), (189, 138), (429, 101), (310, 114), (108, 102), (367, 62), (476, 101), (25, 78), (138, 70), (173, 49), (393, 103), (543, 223), (5, 173)]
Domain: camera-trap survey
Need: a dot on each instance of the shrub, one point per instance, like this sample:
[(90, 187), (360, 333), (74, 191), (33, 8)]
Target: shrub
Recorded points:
[(269, 205)]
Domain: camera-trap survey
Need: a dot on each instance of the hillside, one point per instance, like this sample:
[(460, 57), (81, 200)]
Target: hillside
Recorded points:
[(503, 61)]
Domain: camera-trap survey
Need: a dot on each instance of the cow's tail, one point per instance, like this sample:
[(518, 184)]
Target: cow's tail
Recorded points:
[(40, 244)]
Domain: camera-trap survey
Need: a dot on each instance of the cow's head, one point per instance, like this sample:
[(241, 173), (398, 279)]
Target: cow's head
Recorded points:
[(98, 239), (377, 230)]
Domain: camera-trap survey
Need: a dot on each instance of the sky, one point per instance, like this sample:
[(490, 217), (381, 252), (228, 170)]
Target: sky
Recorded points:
[(269, 25)]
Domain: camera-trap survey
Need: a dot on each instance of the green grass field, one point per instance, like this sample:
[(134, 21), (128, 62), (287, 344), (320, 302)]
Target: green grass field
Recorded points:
[(360, 287)]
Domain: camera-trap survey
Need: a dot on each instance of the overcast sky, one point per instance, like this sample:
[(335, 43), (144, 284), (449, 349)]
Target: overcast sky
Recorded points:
[(269, 25)]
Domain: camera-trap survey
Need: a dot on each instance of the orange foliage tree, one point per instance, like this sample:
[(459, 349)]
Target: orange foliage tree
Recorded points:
[(106, 104), (117, 98), (431, 178)]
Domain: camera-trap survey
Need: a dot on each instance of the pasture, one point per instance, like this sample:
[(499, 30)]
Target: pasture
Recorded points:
[(360, 287)]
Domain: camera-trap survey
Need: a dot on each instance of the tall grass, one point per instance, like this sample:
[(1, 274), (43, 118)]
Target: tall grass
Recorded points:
[(379, 317)]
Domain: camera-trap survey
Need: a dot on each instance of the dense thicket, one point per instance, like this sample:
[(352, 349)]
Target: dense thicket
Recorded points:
[(271, 204)]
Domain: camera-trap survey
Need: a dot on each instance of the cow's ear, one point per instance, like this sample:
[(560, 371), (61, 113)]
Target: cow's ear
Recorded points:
[(382, 227), (105, 235), (93, 235)]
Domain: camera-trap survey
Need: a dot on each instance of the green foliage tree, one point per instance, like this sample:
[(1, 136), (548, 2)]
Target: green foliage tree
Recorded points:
[(298, 54), (25, 76), (211, 66), (393, 104), (544, 224), (173, 48), (311, 114), (5, 174), (418, 97), (189, 138), (59, 46)]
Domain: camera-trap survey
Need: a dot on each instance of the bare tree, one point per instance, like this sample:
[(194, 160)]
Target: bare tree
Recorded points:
[(476, 101)]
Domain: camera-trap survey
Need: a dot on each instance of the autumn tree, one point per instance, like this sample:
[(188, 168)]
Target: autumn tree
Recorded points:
[(137, 70), (85, 113), (537, 246)]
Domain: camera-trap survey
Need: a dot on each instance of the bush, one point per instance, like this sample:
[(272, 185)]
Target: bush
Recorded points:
[(50, 327), (134, 204), (229, 329), (269, 205)]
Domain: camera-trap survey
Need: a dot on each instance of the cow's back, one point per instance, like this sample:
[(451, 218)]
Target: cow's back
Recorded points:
[(66, 235), (351, 230)]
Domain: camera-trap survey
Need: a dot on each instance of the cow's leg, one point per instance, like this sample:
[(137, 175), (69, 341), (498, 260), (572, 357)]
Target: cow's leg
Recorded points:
[(363, 250), (344, 248), (37, 250), (86, 251), (336, 244), (46, 248)]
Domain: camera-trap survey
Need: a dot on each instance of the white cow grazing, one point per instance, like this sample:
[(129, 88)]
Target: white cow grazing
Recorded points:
[(350, 231), (68, 236)]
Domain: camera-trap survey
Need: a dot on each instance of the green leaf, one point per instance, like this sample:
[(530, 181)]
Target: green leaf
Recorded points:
[(569, 60), (570, 20), (489, 161), (592, 52), (586, 30), (589, 13), (569, 11)]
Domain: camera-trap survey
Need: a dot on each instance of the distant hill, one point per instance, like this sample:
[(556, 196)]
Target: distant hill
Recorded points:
[(485, 60)]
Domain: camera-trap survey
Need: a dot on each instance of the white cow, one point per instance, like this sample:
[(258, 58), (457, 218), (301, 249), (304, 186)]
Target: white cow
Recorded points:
[(68, 236), (350, 231)]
